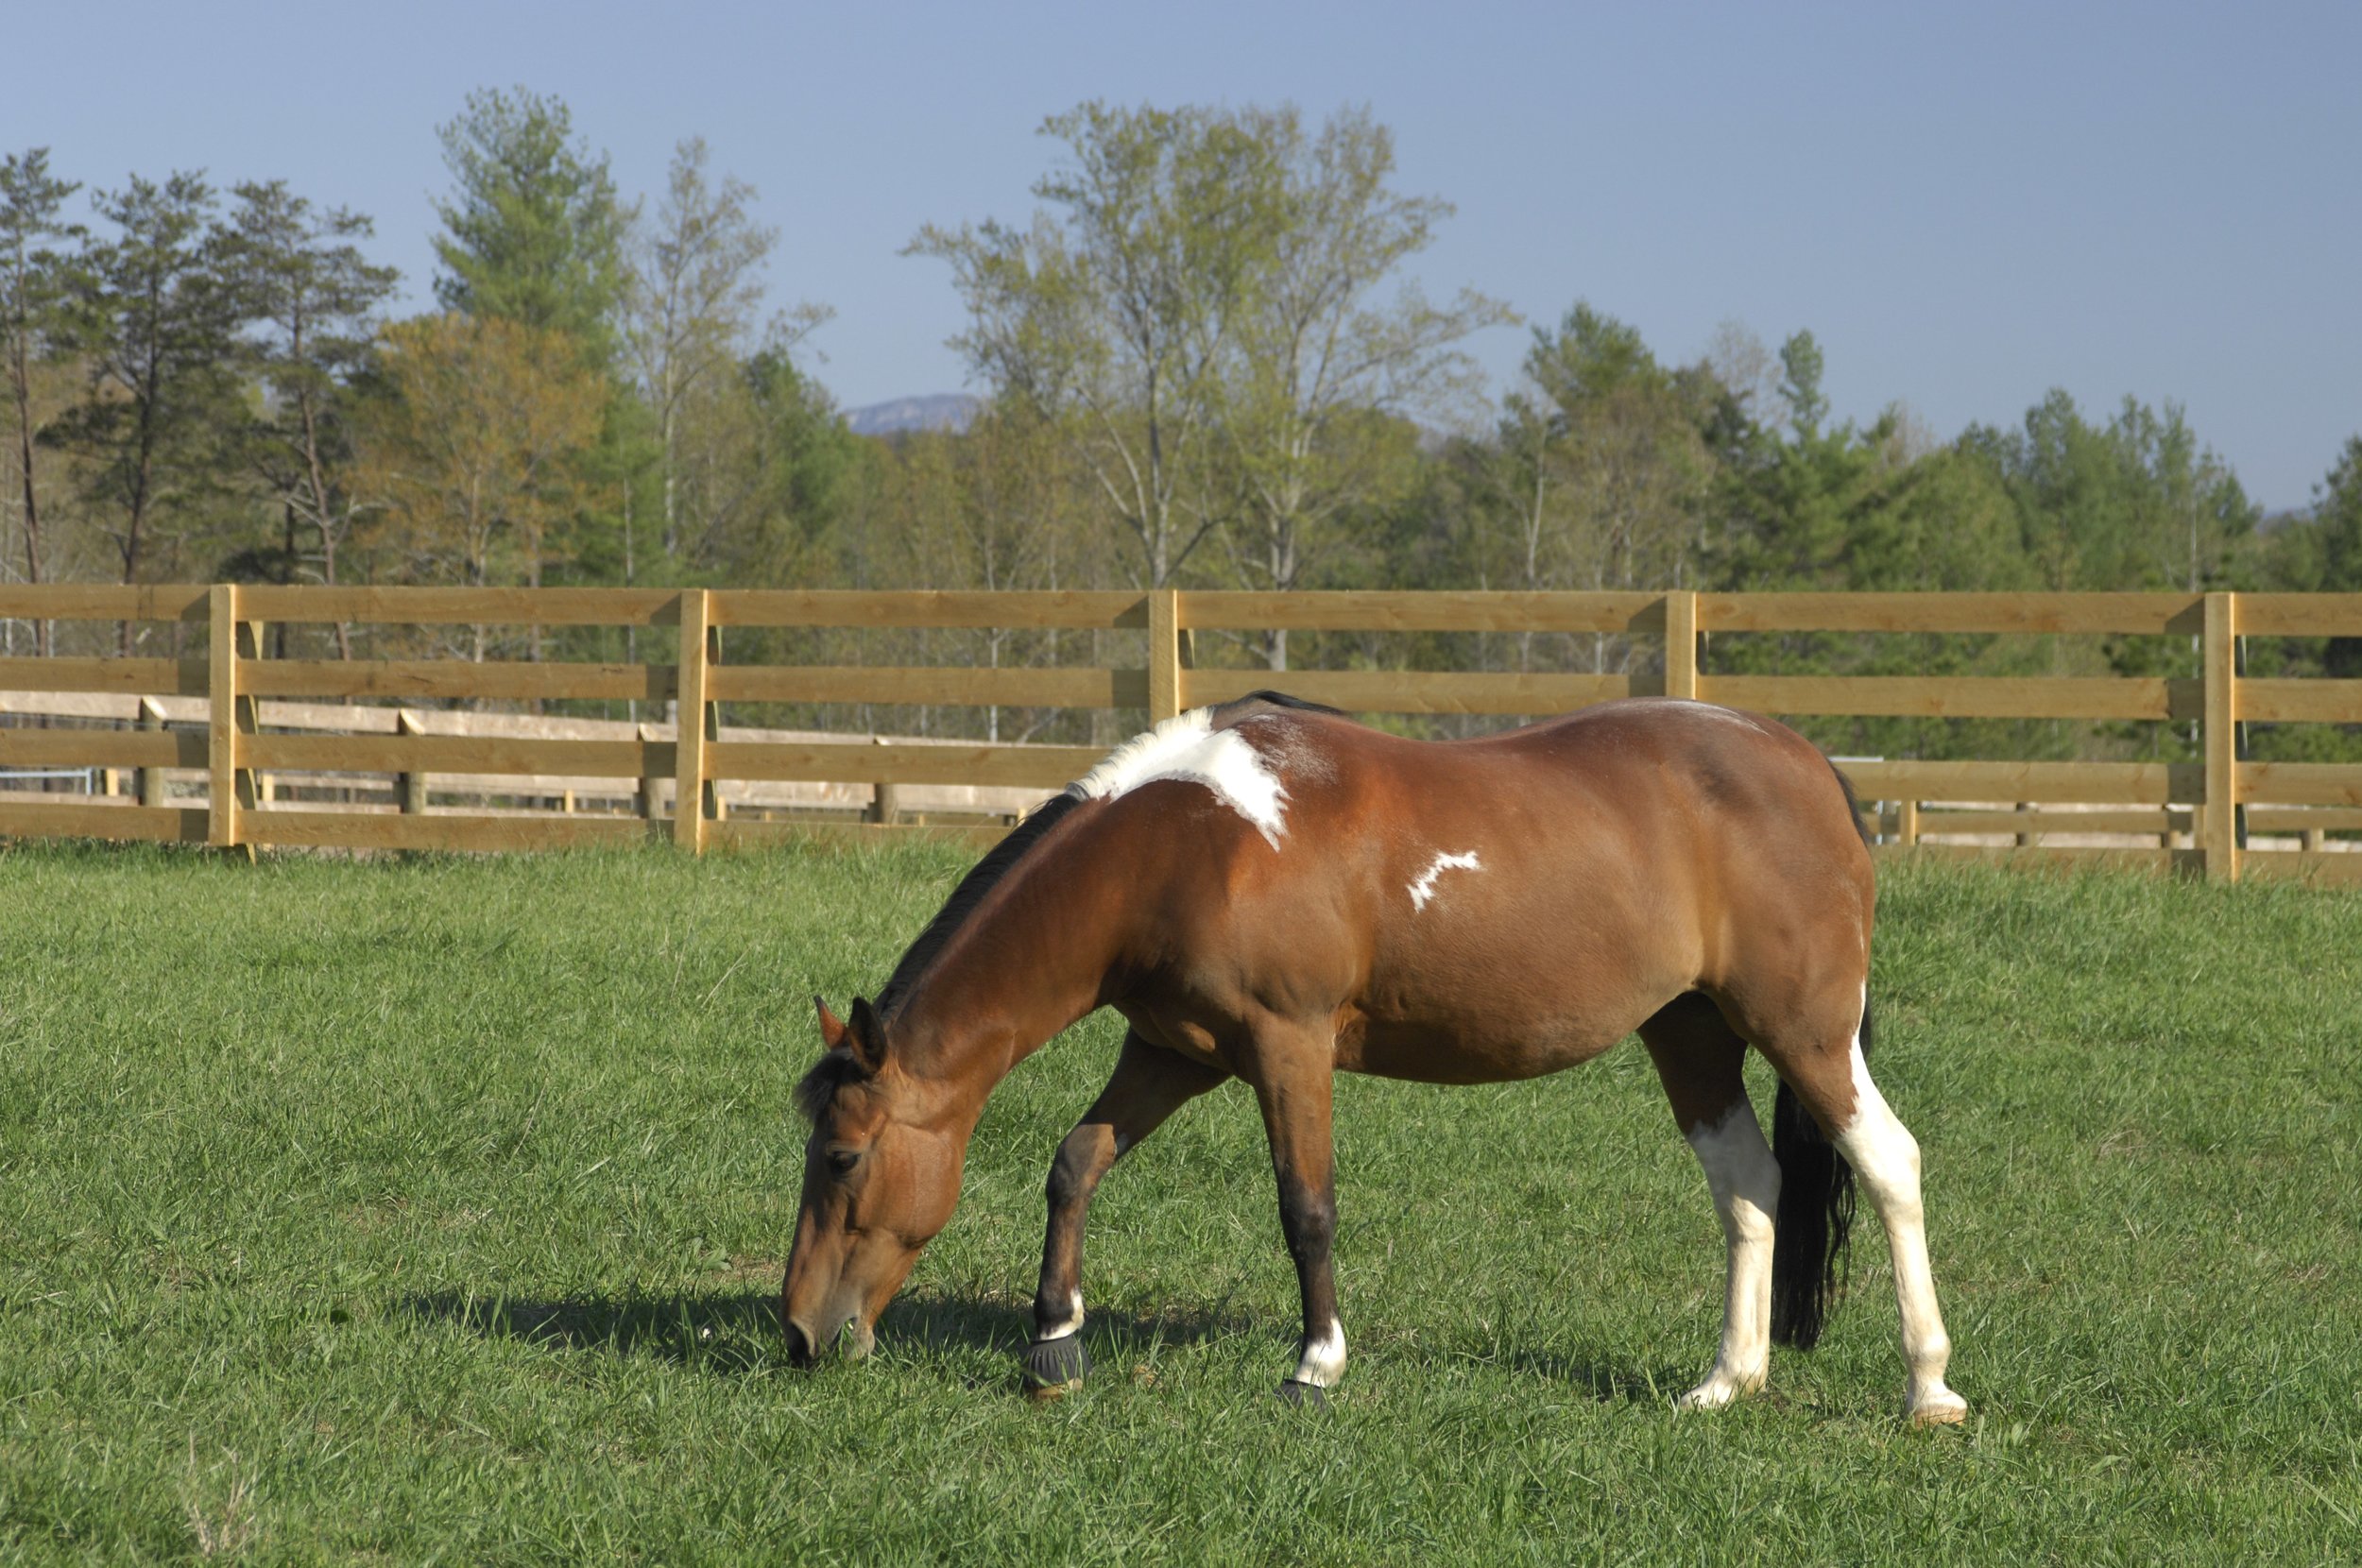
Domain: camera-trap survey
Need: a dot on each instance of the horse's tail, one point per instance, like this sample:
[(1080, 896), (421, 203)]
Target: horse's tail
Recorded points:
[(1816, 1218)]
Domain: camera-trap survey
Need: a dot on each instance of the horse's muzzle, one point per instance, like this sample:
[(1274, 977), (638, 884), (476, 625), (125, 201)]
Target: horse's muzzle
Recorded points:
[(800, 1346), (852, 1339)]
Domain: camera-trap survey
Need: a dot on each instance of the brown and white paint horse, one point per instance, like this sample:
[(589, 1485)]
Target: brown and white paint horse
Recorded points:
[(1267, 891)]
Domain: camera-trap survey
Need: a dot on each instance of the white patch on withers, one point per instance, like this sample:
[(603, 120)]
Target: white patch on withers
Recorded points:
[(1424, 889), (1187, 747)]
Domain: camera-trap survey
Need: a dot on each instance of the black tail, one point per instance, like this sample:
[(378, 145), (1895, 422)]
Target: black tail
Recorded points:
[(1816, 1218), (1815, 1221)]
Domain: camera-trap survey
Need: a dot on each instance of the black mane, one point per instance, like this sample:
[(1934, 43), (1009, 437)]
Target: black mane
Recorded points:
[(980, 880), (1281, 699)]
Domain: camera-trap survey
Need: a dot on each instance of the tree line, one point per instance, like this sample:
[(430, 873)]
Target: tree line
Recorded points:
[(1200, 363)]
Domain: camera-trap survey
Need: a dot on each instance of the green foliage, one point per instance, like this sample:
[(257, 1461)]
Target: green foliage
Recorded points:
[(155, 434), (533, 231), (435, 1210)]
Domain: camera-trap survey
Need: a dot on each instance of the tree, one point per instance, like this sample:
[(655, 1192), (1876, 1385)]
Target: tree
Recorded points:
[(1318, 374), (310, 296), (165, 393), (694, 301), (533, 233), (475, 450), (37, 294), (1112, 313), (1611, 472)]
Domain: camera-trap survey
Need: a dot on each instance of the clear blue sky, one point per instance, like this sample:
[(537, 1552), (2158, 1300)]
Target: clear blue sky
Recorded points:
[(1967, 207)]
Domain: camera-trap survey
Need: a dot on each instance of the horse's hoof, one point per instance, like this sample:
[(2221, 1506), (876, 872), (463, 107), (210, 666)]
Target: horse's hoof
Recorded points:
[(1304, 1394), (1949, 1409), (1055, 1366)]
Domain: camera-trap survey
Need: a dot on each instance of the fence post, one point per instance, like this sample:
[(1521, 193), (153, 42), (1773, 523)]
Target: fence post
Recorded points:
[(229, 720), (884, 802), (2218, 827), (1164, 655), (1906, 821), (694, 715), (409, 787), (150, 781), (1681, 645), (643, 798)]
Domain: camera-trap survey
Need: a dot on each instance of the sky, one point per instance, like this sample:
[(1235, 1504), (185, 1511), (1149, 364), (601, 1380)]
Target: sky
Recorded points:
[(1966, 205)]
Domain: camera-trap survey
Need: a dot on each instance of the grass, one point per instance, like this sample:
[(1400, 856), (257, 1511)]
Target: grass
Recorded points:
[(433, 1211)]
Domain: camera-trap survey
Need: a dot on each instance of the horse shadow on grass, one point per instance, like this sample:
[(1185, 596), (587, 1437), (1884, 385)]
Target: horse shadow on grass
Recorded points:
[(737, 1332)]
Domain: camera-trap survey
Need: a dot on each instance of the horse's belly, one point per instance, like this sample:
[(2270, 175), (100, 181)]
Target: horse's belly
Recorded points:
[(1450, 1053)]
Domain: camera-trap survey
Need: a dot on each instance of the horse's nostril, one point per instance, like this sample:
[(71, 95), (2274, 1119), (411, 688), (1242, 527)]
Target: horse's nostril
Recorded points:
[(798, 1346)]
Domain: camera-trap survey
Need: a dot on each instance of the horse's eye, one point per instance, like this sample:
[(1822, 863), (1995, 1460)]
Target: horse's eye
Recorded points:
[(841, 1161)]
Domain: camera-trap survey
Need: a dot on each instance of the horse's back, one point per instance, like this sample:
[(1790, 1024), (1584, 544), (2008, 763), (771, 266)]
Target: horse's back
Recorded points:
[(1508, 905)]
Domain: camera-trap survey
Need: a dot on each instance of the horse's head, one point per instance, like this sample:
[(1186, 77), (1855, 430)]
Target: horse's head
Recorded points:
[(882, 1172)]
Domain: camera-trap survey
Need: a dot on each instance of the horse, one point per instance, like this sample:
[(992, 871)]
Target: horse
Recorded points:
[(1269, 890)]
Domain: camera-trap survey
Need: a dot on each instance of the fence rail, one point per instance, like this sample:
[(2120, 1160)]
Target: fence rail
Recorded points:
[(236, 747)]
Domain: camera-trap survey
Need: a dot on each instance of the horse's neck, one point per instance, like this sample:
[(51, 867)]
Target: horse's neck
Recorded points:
[(1032, 959)]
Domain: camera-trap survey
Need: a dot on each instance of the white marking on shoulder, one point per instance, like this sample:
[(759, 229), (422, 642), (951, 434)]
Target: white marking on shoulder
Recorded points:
[(1424, 889), (1187, 747)]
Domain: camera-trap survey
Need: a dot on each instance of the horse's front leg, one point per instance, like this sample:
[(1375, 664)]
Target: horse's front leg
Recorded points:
[(1149, 1084), (1293, 1082)]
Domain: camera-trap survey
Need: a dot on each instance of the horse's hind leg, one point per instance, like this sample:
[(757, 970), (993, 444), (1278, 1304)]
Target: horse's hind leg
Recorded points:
[(1148, 1085), (1836, 1087), (1698, 1059)]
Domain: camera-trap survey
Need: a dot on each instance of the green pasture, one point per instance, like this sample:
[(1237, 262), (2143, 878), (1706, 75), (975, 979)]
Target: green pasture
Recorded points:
[(433, 1211)]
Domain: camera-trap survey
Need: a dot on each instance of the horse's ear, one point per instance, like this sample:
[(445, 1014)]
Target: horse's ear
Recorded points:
[(864, 1038), (831, 1027)]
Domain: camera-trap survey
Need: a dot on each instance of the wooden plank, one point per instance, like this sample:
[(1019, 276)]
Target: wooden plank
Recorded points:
[(29, 817), (689, 802), (750, 835), (2293, 819), (1956, 696), (2151, 819), (2303, 701), (462, 606), (1410, 690), (315, 830), (104, 601), (824, 762), (2322, 867), (100, 748), (222, 727), (954, 686), (505, 680), (135, 676), (2300, 615), (1681, 645), (2217, 830), (459, 753), (2161, 613), (2100, 783), (1037, 608), (2301, 783), (1423, 610), (1165, 681), (2061, 856)]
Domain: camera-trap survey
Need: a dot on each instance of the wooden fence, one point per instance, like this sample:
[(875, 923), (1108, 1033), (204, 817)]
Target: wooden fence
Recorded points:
[(2206, 806)]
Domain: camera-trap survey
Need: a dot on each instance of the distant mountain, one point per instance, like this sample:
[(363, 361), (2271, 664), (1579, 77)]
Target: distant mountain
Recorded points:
[(939, 411)]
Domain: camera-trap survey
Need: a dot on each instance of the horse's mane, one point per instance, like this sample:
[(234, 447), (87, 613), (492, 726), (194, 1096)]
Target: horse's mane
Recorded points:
[(980, 880)]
